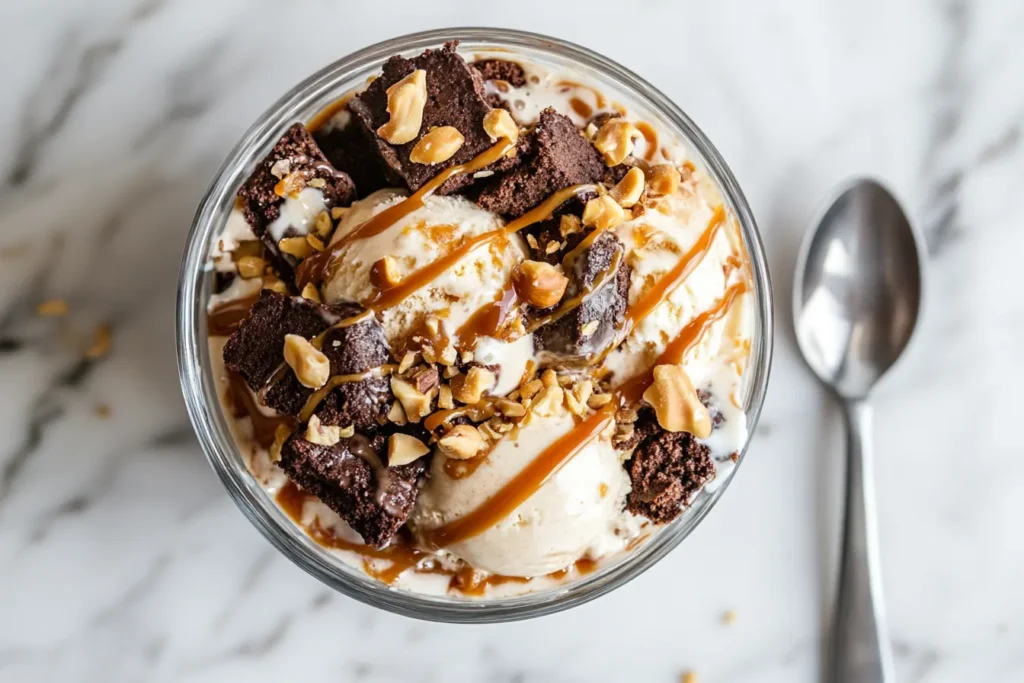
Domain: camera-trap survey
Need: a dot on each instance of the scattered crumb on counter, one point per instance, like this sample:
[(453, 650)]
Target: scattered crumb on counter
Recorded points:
[(52, 308)]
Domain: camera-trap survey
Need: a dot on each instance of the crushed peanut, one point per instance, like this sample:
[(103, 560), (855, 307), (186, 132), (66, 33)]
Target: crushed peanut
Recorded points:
[(415, 403), (250, 267), (439, 144), (603, 213), (281, 435), (100, 344), (404, 449), (530, 389), (498, 123), (406, 100), (310, 292), (510, 408), (315, 242), (628, 190), (397, 414), (590, 328), (52, 308), (461, 442), (311, 366), (599, 400), (324, 435), (384, 273), (445, 400), (540, 284), (470, 388), (549, 402), (676, 403), (615, 140), (295, 246)]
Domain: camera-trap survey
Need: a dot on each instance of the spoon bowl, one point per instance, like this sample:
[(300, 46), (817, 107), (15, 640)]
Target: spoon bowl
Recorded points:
[(857, 292)]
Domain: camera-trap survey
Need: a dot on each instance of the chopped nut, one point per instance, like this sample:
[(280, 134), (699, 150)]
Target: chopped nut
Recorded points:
[(729, 617), (489, 432), (532, 241), (615, 140), (318, 183), (448, 356), (426, 379), (404, 449), (689, 677), (603, 213), (290, 185), (275, 284), (310, 365), (52, 308), (565, 381), (599, 400), (416, 403), (470, 388), (281, 435), (310, 292), (549, 401), (338, 211), (574, 405), (325, 435), (408, 360), (384, 273), (315, 242), (540, 284), (298, 247), (626, 416), (590, 328), (467, 356), (406, 100), (569, 224), (676, 403), (510, 408), (552, 247), (628, 190), (281, 168), (461, 443), (250, 267), (549, 378), (663, 179), (397, 414), (100, 343), (450, 371), (530, 389), (445, 398), (582, 391), (498, 123), (439, 144)]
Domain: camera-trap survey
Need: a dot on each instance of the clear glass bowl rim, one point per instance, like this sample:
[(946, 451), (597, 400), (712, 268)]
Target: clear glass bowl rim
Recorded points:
[(201, 394)]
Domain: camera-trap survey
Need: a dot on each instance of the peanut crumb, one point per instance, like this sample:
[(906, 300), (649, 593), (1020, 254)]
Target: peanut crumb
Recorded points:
[(100, 343), (52, 308)]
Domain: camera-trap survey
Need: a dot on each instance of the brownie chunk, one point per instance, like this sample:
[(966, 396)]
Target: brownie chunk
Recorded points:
[(574, 335), (667, 468), (501, 70), (455, 97), (296, 156), (556, 156), (256, 351), (351, 150), (349, 478)]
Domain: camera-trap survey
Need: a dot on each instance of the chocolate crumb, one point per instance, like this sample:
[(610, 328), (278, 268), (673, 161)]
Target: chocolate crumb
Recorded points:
[(666, 469), (501, 70)]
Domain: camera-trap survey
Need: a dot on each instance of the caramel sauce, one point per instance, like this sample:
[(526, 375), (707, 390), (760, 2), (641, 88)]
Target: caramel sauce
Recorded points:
[(489, 320), (225, 318), (243, 404), (314, 268), (424, 276), (333, 383), (583, 109), (572, 303), (581, 567), (468, 581), (650, 137), (599, 98), (328, 112), (439, 417)]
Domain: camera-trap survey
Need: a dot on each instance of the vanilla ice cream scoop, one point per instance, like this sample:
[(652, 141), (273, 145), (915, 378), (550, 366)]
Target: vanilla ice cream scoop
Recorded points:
[(576, 510), (414, 242)]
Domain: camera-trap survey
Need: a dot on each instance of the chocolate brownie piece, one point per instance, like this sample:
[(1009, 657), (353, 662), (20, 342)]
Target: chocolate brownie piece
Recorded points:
[(349, 478), (501, 70), (297, 157), (666, 469), (455, 97), (574, 335), (256, 349), (556, 156), (351, 150)]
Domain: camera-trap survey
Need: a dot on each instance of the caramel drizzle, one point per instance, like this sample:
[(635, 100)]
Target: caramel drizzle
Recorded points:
[(264, 427), (328, 112), (225, 318), (315, 267), (650, 137), (599, 98), (575, 302), (554, 457), (489, 319), (336, 381)]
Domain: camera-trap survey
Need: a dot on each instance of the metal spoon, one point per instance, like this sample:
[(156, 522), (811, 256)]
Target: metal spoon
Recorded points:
[(856, 299)]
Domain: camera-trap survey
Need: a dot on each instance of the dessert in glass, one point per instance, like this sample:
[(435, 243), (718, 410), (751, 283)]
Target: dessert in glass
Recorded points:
[(475, 331)]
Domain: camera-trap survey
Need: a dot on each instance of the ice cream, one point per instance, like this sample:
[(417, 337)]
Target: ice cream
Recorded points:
[(478, 353)]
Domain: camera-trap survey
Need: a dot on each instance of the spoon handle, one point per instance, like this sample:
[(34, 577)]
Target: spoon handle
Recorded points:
[(860, 651)]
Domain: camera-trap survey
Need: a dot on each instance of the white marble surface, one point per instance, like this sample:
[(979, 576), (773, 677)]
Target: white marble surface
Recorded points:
[(121, 558)]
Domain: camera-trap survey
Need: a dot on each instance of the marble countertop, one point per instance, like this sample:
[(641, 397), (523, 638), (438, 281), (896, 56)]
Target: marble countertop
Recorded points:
[(121, 557)]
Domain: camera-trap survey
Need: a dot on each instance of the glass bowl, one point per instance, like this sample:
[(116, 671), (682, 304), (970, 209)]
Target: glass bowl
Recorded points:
[(195, 282)]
